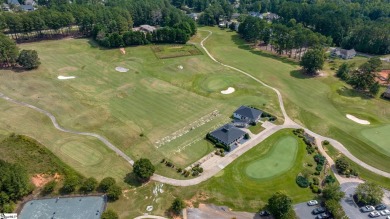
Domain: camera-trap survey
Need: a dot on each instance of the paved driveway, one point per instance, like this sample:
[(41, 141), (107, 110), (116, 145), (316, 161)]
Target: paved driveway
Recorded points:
[(303, 211), (349, 206)]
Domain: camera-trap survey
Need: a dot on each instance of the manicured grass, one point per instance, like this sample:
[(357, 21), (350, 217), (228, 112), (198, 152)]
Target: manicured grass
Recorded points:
[(363, 173), (318, 103), (133, 110), (379, 136), (256, 129), (234, 188), (276, 162), (174, 51)]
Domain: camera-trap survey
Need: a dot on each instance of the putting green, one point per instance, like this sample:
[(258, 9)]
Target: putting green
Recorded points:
[(212, 83), (379, 137), (82, 153), (277, 161)]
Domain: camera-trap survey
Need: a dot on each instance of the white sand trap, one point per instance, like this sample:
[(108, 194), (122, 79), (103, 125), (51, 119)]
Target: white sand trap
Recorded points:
[(228, 91), (121, 69), (180, 67), (66, 77), (357, 120), (123, 51)]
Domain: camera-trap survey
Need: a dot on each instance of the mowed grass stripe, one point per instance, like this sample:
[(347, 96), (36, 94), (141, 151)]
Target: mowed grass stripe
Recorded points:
[(276, 162)]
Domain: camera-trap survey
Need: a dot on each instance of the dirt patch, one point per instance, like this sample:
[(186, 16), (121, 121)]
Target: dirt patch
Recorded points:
[(41, 180), (383, 76), (123, 51), (67, 69), (199, 197)]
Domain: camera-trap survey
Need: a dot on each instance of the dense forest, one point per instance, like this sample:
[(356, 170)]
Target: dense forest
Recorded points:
[(110, 22), (360, 24)]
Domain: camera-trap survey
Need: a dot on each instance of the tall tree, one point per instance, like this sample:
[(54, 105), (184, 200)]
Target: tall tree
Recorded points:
[(143, 169), (369, 193), (8, 51), (332, 192), (313, 60), (29, 59), (177, 206), (280, 205)]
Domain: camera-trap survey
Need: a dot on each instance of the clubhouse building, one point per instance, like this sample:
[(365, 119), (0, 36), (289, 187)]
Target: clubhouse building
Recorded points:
[(244, 116), (228, 134)]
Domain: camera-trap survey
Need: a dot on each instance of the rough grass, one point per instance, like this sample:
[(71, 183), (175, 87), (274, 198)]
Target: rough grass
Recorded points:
[(134, 109), (276, 162), (174, 51), (33, 156), (318, 103)]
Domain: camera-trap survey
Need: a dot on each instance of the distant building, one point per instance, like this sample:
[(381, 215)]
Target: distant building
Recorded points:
[(271, 16), (256, 14), (30, 2), (228, 134), (344, 53), (235, 16), (13, 2), (27, 7), (145, 28), (386, 94), (248, 114), (5, 7), (194, 16)]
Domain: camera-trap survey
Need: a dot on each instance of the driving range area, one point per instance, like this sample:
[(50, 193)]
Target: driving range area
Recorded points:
[(63, 208)]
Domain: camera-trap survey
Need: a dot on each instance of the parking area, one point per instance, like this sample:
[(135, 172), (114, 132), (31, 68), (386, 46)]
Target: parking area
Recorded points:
[(349, 206), (303, 211)]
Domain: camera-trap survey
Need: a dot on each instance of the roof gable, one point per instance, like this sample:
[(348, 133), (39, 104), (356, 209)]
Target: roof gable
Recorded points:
[(249, 112), (227, 133)]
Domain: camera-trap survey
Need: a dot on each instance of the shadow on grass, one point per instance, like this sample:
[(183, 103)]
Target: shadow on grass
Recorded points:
[(300, 75), (349, 92), (246, 46), (132, 180)]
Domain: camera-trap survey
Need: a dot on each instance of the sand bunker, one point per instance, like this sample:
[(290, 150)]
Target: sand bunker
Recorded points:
[(123, 51), (180, 67), (65, 77), (149, 208), (121, 69), (357, 120), (228, 91)]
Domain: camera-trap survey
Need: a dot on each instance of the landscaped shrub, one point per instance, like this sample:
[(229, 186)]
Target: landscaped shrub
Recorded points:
[(310, 164), (320, 160), (317, 173), (325, 142), (302, 182), (179, 170), (329, 179), (319, 167), (316, 181), (195, 173), (187, 174)]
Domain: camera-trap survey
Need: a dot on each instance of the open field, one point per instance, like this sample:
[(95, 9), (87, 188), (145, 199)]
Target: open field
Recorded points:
[(135, 110), (276, 162), (174, 51), (319, 103)]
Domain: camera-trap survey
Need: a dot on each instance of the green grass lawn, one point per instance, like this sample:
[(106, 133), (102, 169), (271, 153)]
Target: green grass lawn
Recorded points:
[(379, 136), (256, 129), (319, 103), (233, 187), (276, 162), (134, 110), (363, 173)]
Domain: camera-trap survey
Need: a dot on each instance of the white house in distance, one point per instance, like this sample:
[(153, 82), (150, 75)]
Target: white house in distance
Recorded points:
[(145, 28), (344, 53), (247, 114)]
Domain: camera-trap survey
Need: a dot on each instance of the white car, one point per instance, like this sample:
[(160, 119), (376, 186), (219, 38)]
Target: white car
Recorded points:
[(374, 214), (388, 217), (385, 212), (312, 202), (367, 208)]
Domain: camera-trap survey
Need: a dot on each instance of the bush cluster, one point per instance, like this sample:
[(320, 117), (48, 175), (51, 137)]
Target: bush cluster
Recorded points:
[(302, 181)]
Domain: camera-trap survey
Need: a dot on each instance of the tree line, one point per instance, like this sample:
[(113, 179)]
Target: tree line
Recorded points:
[(112, 20), (283, 38)]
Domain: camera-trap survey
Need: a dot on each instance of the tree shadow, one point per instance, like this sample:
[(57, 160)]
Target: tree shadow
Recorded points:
[(132, 180), (246, 46), (350, 92), (16, 69), (300, 75)]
